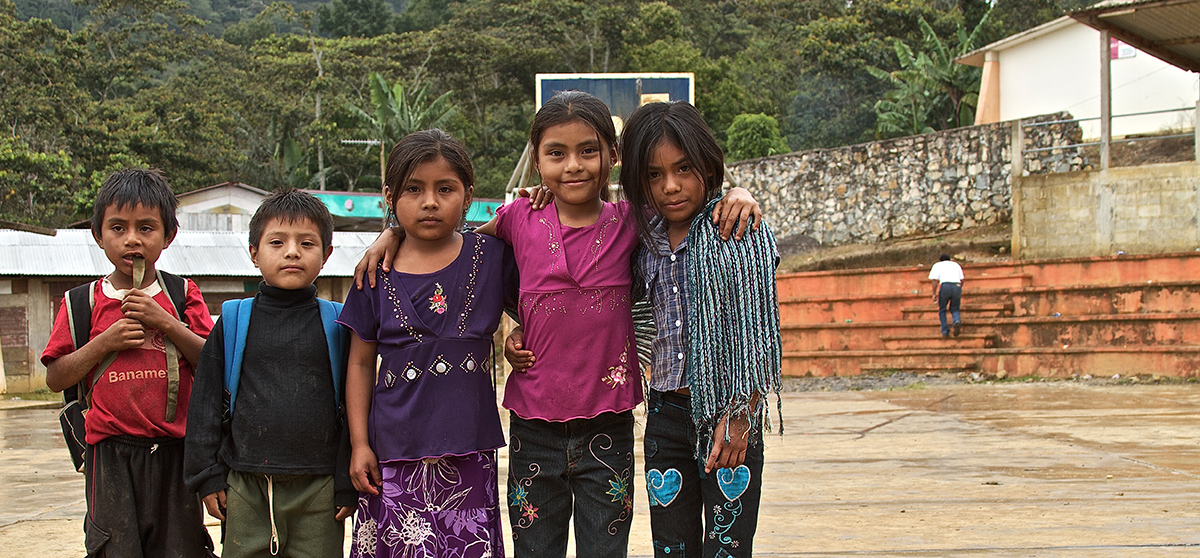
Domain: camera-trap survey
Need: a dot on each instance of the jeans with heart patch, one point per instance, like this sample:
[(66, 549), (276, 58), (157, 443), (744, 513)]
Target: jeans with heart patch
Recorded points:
[(693, 514), (581, 468)]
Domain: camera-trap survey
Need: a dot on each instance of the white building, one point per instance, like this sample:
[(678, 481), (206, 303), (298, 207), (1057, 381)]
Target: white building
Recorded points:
[(1056, 67)]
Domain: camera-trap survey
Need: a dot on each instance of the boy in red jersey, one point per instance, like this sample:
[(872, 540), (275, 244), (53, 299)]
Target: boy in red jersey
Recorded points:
[(137, 504)]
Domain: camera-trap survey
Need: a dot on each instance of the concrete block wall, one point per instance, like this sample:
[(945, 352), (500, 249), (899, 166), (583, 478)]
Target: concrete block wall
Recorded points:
[(1136, 210)]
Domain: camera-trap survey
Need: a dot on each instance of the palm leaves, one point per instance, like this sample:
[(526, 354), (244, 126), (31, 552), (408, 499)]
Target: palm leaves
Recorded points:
[(400, 111), (929, 90)]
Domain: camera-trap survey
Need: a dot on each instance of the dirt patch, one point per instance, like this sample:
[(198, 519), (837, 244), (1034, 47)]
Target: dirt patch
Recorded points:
[(988, 243), (910, 380), (1145, 150)]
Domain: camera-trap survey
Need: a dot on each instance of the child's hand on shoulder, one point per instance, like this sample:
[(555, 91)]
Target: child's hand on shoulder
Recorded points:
[(379, 255), (125, 333), (515, 353), (539, 196), (729, 455), (139, 306), (364, 470), (736, 209)]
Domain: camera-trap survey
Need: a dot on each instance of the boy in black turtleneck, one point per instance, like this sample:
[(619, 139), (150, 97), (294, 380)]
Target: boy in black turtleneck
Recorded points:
[(277, 471)]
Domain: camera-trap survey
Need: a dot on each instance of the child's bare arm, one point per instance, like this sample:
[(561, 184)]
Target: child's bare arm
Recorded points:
[(71, 368), (735, 209), (360, 377)]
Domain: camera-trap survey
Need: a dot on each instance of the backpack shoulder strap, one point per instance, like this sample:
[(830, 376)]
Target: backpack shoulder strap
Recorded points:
[(235, 317), (79, 303), (176, 289), (335, 338)]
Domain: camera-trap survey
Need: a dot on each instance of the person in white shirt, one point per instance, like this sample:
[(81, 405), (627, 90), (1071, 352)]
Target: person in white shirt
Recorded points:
[(947, 277)]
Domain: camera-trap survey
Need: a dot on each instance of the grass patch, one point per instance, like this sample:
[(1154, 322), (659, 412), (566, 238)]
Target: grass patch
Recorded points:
[(43, 394)]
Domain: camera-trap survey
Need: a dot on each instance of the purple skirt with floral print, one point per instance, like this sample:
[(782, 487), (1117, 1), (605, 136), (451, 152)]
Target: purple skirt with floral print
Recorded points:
[(446, 507)]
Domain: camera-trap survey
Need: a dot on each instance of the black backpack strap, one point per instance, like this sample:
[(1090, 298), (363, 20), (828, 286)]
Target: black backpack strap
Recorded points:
[(176, 287), (79, 303)]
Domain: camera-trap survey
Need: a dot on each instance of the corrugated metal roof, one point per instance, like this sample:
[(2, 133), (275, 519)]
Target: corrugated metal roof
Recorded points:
[(1167, 29), (73, 253)]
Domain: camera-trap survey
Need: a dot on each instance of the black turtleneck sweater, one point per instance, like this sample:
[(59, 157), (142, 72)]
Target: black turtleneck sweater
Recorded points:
[(285, 418)]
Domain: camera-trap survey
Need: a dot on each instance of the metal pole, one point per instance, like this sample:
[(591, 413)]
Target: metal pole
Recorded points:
[(1015, 174), (1105, 99)]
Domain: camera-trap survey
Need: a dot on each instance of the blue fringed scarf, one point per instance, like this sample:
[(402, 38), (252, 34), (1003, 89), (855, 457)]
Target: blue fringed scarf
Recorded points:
[(734, 347)]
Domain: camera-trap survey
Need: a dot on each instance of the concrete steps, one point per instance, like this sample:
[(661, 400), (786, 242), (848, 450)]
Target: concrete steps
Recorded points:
[(1127, 315)]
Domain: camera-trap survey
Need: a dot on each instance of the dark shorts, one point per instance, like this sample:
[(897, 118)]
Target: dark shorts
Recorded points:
[(137, 504)]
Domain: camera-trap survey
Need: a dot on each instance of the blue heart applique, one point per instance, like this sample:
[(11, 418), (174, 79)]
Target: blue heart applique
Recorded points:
[(733, 482), (663, 487)]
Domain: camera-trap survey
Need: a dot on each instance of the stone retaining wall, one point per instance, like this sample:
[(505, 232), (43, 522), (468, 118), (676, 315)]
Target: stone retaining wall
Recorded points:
[(875, 191)]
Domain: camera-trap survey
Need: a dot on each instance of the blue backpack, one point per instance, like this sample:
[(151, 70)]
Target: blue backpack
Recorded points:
[(235, 315)]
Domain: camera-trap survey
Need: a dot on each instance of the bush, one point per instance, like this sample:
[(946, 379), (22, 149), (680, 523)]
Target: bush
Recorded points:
[(754, 135)]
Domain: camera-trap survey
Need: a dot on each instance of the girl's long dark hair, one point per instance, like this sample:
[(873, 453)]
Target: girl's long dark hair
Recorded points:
[(572, 105), (681, 124)]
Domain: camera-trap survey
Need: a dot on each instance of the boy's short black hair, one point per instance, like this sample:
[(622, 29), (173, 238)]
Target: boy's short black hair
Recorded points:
[(944, 258), (130, 187), (289, 205)]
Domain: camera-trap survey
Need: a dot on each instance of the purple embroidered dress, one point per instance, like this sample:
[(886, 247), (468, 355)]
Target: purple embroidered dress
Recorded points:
[(433, 423), (575, 308)]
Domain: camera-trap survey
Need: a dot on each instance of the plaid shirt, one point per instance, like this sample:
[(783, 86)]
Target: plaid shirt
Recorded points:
[(664, 273)]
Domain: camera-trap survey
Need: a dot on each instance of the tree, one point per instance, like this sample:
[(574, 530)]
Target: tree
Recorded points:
[(754, 135), (355, 18), (399, 112), (929, 91)]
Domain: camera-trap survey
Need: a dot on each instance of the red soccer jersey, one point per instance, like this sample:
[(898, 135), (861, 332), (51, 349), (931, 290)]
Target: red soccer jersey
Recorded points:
[(130, 397)]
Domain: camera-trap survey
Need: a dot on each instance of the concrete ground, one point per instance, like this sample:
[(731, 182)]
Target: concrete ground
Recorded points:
[(964, 471)]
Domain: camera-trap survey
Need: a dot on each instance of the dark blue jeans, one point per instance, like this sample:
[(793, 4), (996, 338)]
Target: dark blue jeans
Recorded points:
[(949, 297), (692, 514), (582, 467)]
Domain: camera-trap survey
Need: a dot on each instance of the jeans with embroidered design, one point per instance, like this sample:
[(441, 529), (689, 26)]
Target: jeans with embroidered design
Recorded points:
[(693, 514), (580, 467)]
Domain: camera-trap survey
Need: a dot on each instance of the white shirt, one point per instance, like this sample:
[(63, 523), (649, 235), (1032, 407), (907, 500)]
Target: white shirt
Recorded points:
[(946, 271)]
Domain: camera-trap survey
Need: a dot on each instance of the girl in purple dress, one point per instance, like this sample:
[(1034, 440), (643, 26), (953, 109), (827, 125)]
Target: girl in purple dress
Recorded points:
[(423, 423)]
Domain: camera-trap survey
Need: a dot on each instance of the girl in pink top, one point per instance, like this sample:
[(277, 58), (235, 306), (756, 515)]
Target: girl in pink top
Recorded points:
[(571, 429)]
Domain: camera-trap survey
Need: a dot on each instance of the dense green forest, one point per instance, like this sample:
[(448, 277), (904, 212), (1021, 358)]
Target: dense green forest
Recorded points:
[(263, 93)]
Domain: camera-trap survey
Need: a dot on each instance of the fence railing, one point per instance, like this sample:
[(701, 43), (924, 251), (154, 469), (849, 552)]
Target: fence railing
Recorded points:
[(1102, 143)]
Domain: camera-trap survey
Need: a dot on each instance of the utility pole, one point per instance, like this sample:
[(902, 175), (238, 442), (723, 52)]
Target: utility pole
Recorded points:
[(382, 156)]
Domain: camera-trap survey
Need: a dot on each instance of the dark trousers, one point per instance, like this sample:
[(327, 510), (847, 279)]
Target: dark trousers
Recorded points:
[(949, 297), (693, 514), (581, 467), (137, 505)]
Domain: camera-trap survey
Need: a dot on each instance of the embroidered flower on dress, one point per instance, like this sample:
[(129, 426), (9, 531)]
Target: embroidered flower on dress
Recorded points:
[(415, 529), (615, 378), (365, 537), (616, 374), (437, 302)]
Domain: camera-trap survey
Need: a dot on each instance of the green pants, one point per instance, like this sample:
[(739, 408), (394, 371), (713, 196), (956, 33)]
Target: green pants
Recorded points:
[(281, 515)]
